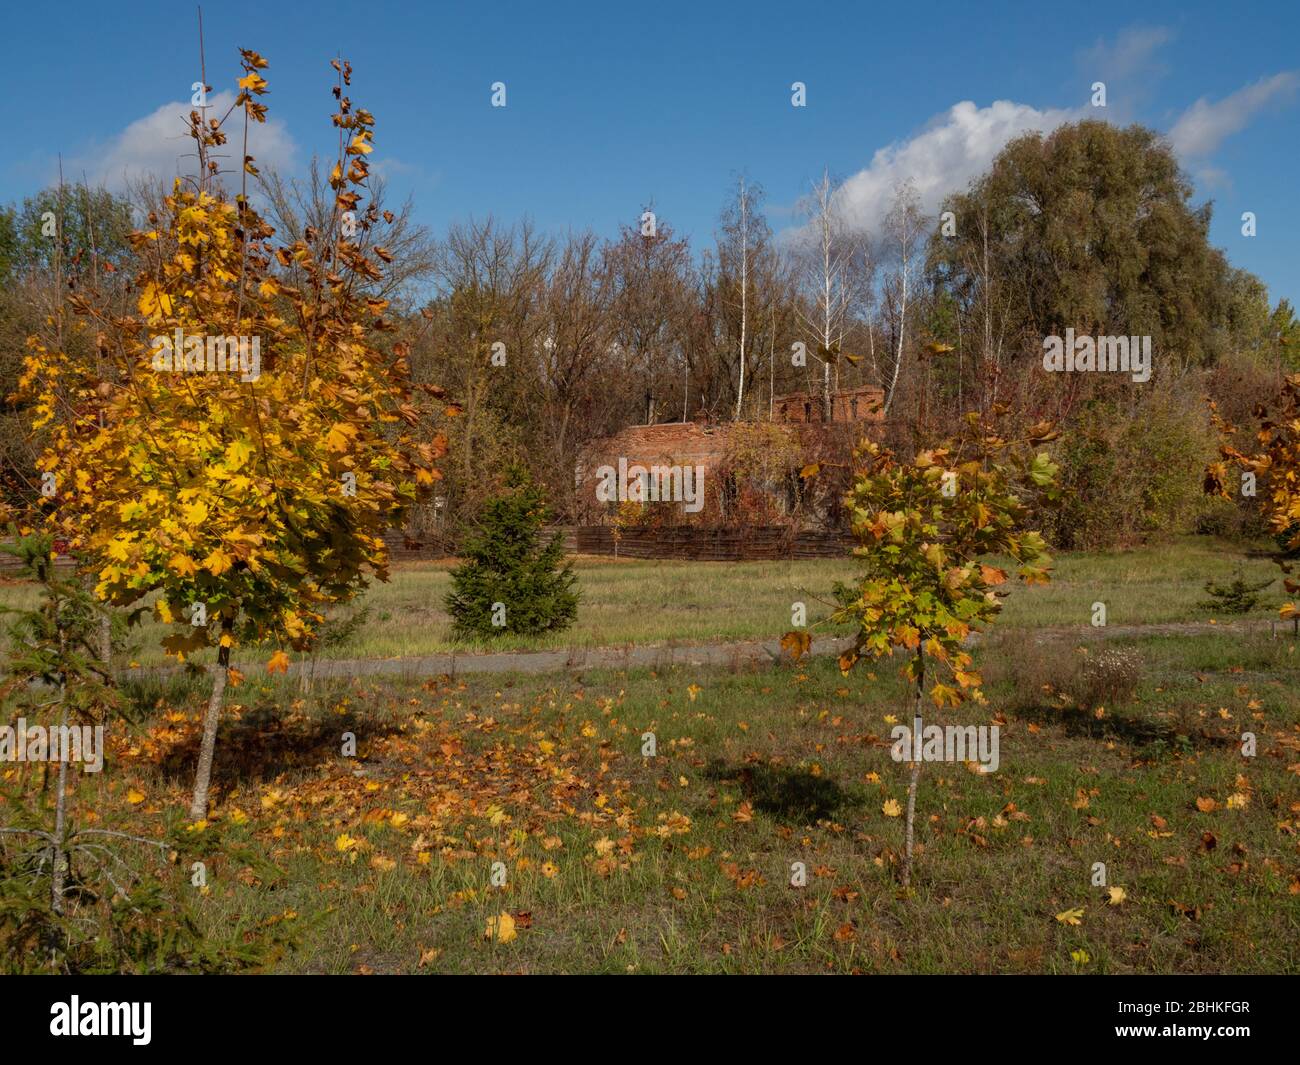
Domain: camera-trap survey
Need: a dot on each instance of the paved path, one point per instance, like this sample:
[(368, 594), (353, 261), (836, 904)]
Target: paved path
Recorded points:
[(664, 657), (646, 657)]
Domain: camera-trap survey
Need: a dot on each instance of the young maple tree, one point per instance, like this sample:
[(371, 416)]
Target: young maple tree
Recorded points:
[(925, 529), (249, 486), (1272, 471)]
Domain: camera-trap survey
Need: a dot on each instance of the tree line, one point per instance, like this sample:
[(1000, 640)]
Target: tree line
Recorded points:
[(546, 341)]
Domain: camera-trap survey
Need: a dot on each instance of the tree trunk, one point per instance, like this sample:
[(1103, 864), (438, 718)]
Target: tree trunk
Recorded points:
[(106, 641), (902, 329), (59, 875), (916, 766), (203, 774), (744, 293)]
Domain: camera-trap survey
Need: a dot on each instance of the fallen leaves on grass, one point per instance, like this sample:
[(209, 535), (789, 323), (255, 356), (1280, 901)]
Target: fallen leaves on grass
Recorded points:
[(501, 928)]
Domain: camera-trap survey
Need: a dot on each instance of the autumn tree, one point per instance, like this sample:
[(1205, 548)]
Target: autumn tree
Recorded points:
[(827, 259), (259, 443), (925, 530), (480, 338), (654, 297), (1090, 226), (1269, 471)]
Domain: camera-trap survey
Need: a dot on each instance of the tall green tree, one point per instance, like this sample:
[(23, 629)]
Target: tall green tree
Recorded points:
[(1090, 227)]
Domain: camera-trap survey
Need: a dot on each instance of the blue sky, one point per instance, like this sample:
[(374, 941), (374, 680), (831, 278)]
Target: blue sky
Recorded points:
[(611, 107)]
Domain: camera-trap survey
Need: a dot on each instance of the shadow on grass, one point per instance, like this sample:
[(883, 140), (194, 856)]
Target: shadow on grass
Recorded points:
[(1152, 737), (265, 741), (794, 796)]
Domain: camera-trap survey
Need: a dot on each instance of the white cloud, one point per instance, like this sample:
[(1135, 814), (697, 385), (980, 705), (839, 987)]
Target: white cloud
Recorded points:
[(160, 145), (1204, 126), (944, 157), (1130, 56)]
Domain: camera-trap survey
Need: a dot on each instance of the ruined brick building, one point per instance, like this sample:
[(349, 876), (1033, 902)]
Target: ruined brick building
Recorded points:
[(750, 471)]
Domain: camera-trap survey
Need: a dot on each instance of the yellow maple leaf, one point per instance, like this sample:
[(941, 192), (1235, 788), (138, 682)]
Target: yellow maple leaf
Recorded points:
[(1071, 917), (218, 562), (340, 436), (501, 928), (134, 796), (154, 302), (237, 453), (182, 564), (1117, 896), (278, 663), (891, 808)]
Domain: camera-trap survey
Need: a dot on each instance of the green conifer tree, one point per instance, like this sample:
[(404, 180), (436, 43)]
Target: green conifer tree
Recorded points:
[(510, 582)]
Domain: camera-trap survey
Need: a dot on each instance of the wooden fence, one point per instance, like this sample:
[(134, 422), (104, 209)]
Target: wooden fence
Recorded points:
[(753, 543), (713, 545)]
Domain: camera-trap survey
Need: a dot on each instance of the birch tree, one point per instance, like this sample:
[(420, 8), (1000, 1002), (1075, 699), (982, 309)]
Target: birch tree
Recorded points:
[(903, 232), (826, 276)]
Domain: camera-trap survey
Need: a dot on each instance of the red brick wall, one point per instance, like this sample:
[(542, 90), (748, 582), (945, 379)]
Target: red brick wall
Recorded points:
[(848, 405)]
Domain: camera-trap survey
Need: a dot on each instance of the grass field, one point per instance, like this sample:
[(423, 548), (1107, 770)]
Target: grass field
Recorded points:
[(612, 861), (662, 602), (682, 862)]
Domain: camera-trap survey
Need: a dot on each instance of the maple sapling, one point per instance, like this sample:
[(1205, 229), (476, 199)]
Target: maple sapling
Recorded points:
[(263, 495), (924, 529)]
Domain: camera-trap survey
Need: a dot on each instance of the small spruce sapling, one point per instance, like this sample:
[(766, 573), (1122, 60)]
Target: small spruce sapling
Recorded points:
[(510, 582)]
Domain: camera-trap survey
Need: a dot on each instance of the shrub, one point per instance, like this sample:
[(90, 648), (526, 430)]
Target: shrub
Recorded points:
[(1108, 678), (1128, 474), (1235, 598), (1052, 673), (1037, 673)]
